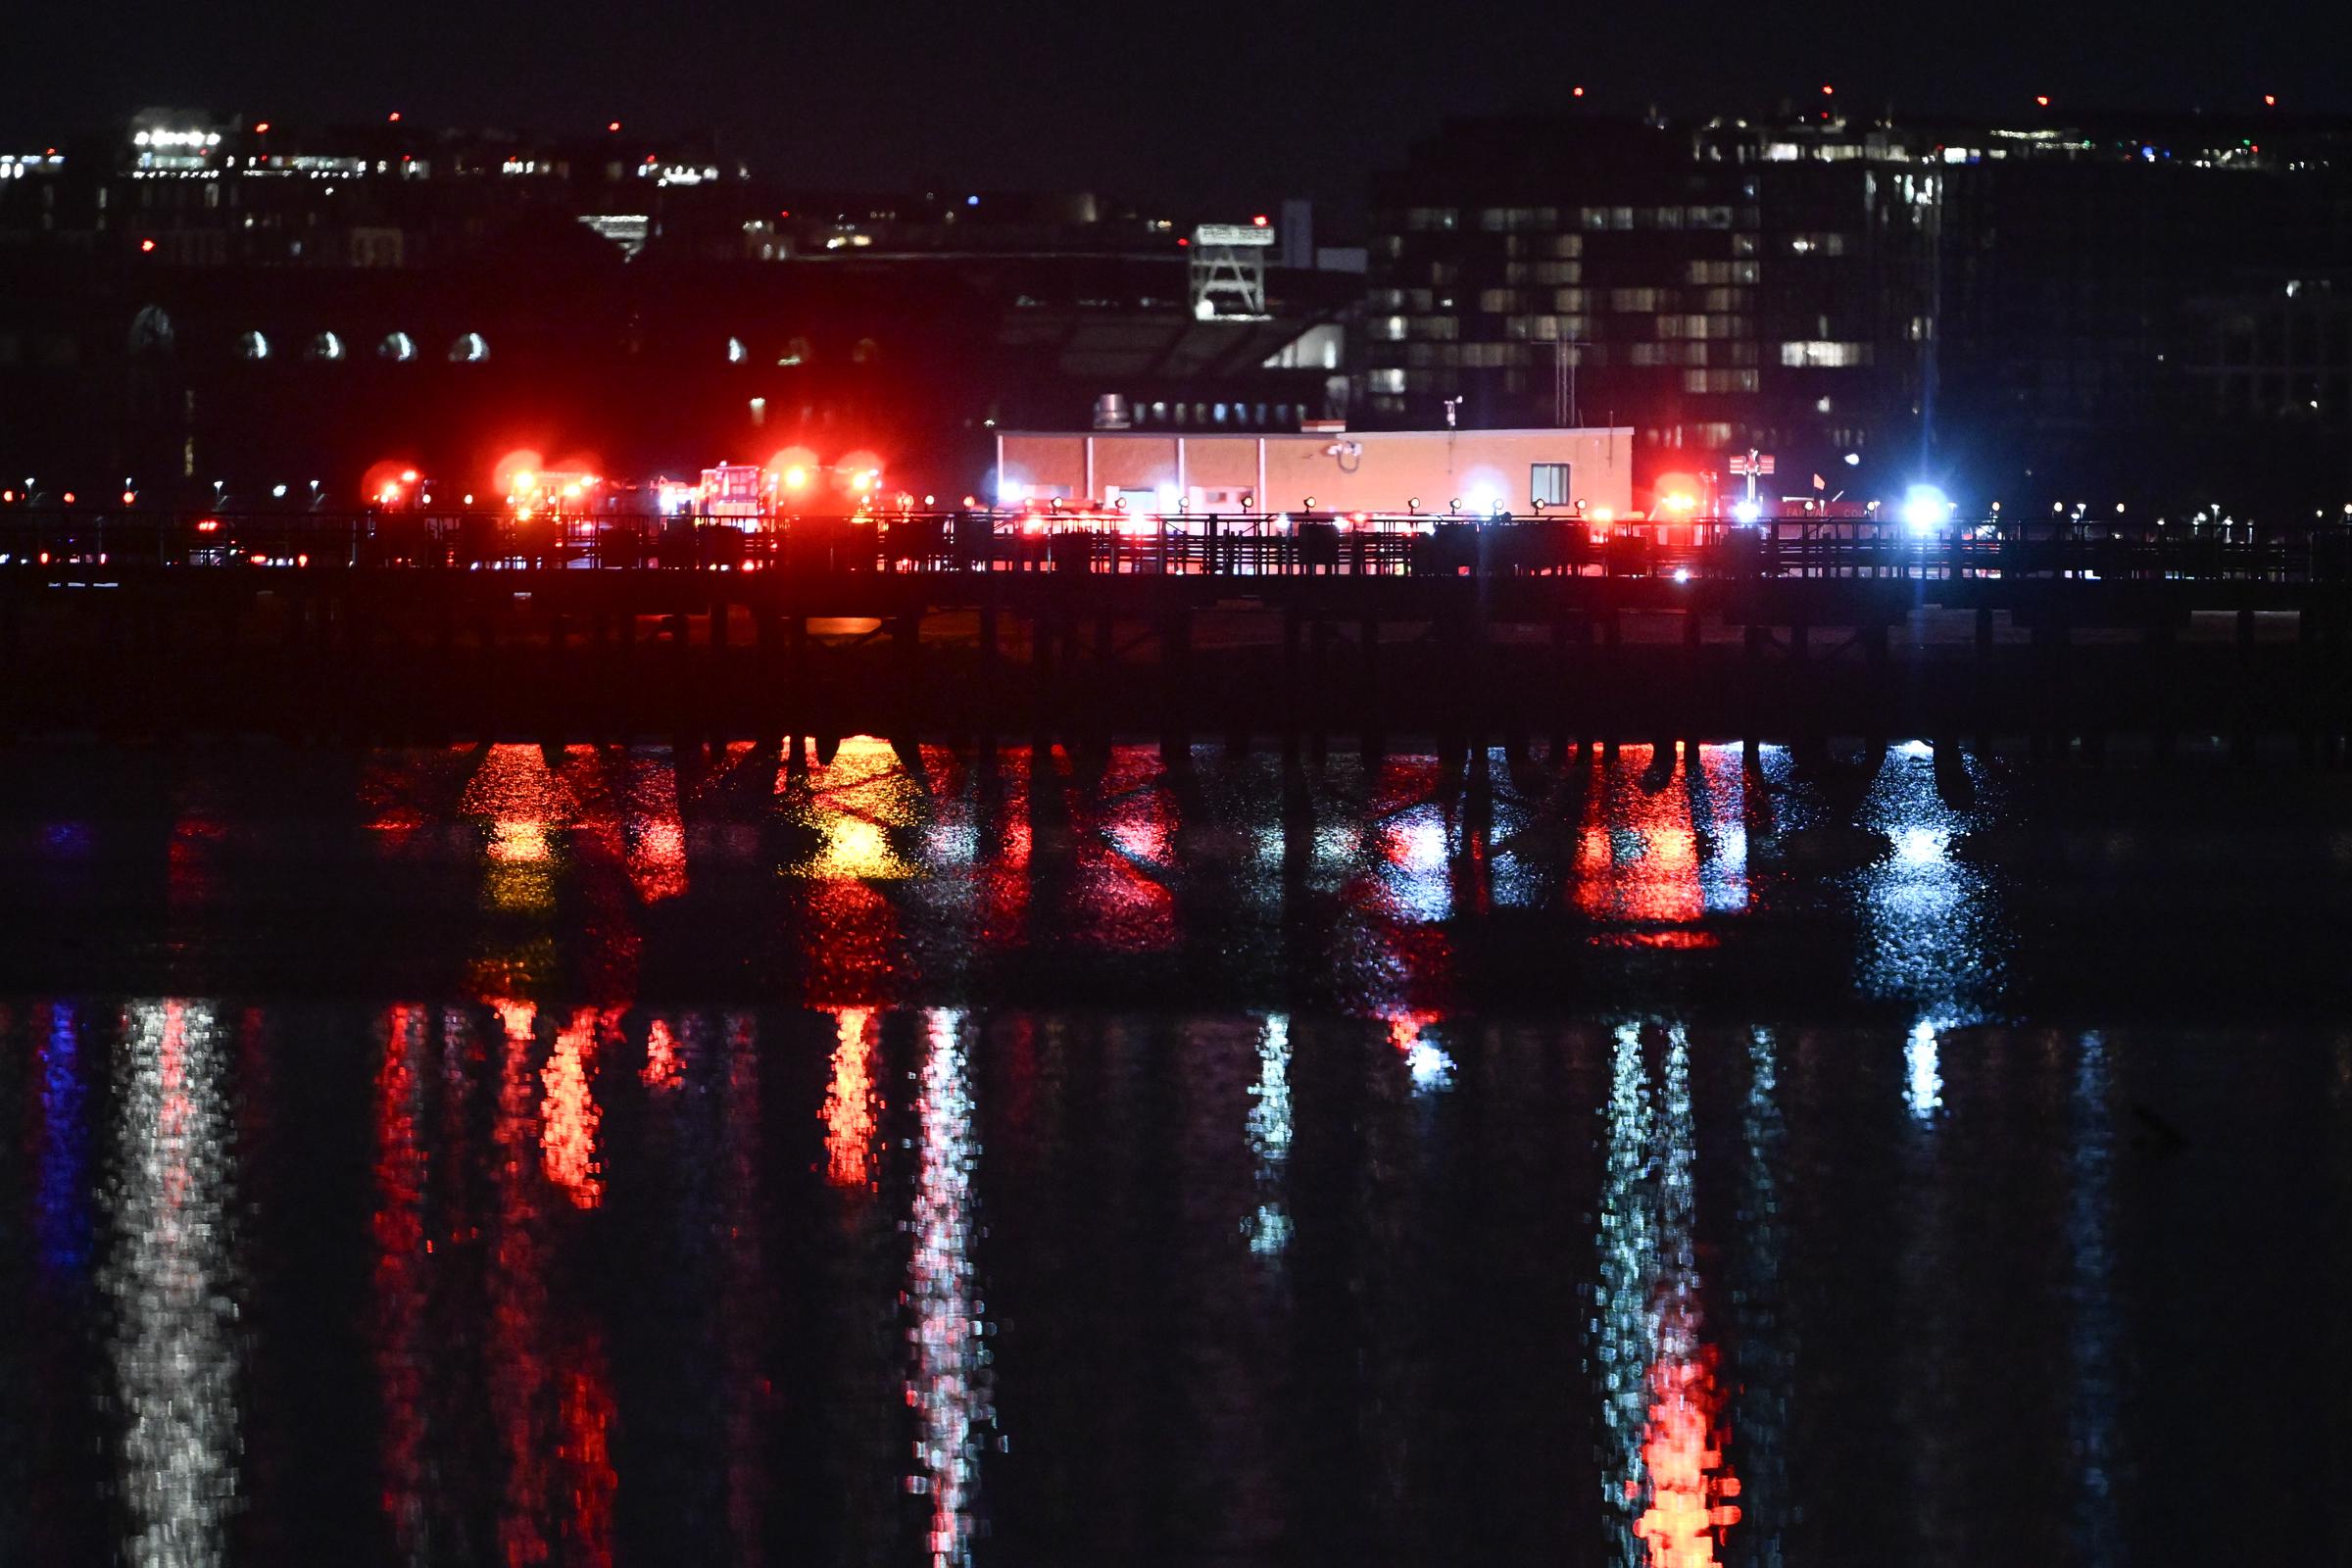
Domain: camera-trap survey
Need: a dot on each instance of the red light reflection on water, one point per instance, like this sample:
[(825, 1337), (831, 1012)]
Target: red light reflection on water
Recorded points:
[(568, 1114), (1648, 864), (1687, 1482), (852, 1101), (662, 1071), (518, 1299), (1122, 902), (400, 1252)]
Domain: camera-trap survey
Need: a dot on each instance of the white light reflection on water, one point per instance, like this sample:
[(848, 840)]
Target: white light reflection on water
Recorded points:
[(1269, 1132), (949, 1388), (1928, 931), (1923, 1090), (1425, 1062), (1665, 1480), (170, 1280)]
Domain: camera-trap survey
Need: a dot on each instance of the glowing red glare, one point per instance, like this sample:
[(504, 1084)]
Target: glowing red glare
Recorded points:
[(407, 476), (69, 498), (2269, 100), (2042, 99), (1577, 92), (146, 245), (262, 128), (302, 561), (395, 116), (130, 495), (1181, 240), (207, 524), (1827, 90), (518, 471), (1259, 221), (613, 124), (258, 559)]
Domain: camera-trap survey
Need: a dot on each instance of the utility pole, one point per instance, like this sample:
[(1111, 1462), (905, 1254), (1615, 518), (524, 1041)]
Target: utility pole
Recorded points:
[(1564, 361)]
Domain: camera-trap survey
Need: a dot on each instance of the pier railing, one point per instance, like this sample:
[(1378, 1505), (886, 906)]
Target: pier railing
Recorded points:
[(73, 540)]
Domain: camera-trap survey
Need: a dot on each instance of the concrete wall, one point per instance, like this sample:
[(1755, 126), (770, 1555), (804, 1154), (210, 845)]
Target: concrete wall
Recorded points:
[(1386, 471)]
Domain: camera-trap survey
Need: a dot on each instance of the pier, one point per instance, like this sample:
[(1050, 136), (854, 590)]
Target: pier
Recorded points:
[(1538, 634)]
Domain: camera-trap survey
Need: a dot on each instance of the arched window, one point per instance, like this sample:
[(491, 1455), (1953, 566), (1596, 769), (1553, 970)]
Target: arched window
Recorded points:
[(398, 347), (468, 348), (253, 346), (325, 345)]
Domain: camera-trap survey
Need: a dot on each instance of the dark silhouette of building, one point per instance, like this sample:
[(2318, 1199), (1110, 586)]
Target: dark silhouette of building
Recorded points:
[(2005, 307), (198, 306)]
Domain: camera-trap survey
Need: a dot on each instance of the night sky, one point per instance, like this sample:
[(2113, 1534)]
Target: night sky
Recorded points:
[(1217, 101)]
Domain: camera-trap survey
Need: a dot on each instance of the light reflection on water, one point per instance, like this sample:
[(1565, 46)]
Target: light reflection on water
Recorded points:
[(631, 1269), (172, 1288)]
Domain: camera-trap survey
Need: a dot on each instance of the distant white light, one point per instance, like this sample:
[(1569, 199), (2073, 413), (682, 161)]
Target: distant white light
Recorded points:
[(1010, 492), (1924, 509), (1168, 496), (1853, 460), (1748, 512), (1682, 574)]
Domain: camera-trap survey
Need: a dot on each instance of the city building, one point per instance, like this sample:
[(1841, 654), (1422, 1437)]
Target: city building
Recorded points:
[(219, 306), (1474, 472), (1997, 306)]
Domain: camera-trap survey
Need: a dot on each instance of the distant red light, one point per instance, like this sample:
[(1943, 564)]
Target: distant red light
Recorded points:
[(613, 124), (394, 117), (1259, 221), (1181, 240), (262, 128), (1826, 89), (146, 245), (1577, 92), (69, 498), (2269, 100), (208, 525), (2042, 99)]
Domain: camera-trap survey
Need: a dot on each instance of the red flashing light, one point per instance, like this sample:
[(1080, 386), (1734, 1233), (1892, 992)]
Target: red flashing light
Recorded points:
[(1181, 240), (1827, 90), (69, 498), (613, 124), (146, 245), (262, 128), (649, 158), (2269, 100), (1576, 92), (129, 497), (2041, 100), (1259, 221), (393, 117), (207, 524)]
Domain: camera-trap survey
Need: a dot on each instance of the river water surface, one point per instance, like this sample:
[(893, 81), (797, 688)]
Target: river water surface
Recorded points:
[(587, 1155)]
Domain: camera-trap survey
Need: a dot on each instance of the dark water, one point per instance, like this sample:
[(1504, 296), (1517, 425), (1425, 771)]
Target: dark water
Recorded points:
[(503, 1158)]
